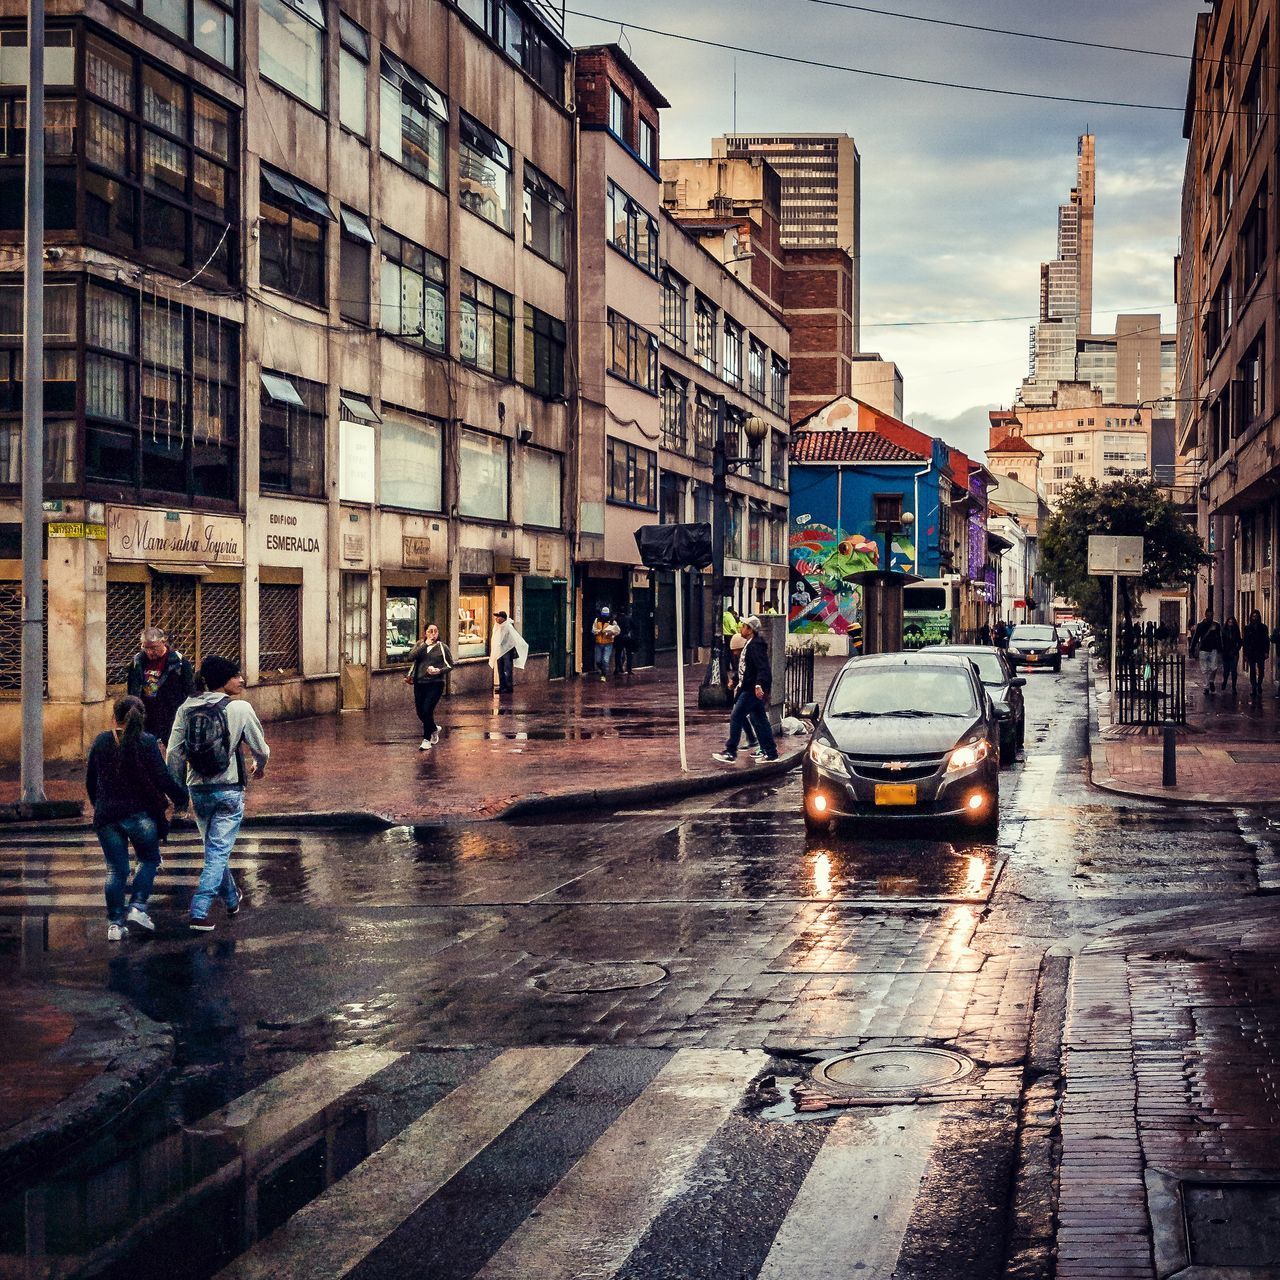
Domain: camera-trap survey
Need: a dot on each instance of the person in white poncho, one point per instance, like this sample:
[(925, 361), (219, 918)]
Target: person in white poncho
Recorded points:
[(507, 649)]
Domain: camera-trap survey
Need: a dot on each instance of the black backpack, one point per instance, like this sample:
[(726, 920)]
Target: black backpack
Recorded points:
[(208, 738)]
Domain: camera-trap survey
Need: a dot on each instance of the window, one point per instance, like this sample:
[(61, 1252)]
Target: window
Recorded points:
[(732, 353), (353, 77), (545, 215), (778, 461), (544, 341), (292, 237), (675, 424), (291, 47), (778, 386), (411, 466), (354, 266), (704, 333), (1253, 241), (482, 476), (541, 488), (484, 173), (357, 448), (617, 115), (705, 413), (648, 144), (402, 628), (485, 325), (279, 630), (209, 25), (292, 436), (633, 353), (633, 475), (413, 301), (473, 623), (755, 370), (521, 40), (59, 56), (671, 488), (755, 534), (674, 291), (413, 121), (631, 229), (1249, 374)]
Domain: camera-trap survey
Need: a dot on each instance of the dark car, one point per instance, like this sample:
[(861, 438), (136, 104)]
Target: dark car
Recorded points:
[(1035, 644), (1005, 689), (904, 735)]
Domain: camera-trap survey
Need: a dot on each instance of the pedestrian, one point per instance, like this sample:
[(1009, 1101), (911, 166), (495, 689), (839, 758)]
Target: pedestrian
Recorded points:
[(738, 642), (162, 678), (130, 789), (604, 631), (625, 645), (1206, 646), (984, 634), (429, 662), (507, 649), (208, 732), (1256, 644), (753, 683), (1231, 640), (1001, 634)]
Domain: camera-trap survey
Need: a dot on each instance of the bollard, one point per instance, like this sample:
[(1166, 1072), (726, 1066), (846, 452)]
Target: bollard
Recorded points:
[(1170, 756)]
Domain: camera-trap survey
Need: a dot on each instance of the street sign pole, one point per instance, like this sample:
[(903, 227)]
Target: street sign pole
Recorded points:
[(684, 761), (1115, 632)]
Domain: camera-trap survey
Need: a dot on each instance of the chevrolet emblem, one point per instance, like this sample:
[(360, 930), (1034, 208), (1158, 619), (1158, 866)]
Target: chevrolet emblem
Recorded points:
[(895, 766)]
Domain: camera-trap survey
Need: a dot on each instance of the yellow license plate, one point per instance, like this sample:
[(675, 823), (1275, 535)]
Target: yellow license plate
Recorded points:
[(895, 793), (1032, 657)]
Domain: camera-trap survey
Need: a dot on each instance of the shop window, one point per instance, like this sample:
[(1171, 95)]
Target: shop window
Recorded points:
[(291, 47), (293, 231), (412, 461), (483, 486), (546, 215), (544, 343), (484, 173), (632, 475), (353, 77), (541, 488), (279, 630), (292, 435), (473, 623), (126, 618), (413, 302), (485, 327), (413, 123), (354, 288), (631, 229), (633, 353), (200, 618), (674, 291), (401, 629)]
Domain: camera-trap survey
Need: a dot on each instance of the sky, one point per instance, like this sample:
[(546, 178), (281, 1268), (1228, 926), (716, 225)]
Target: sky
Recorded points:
[(960, 190)]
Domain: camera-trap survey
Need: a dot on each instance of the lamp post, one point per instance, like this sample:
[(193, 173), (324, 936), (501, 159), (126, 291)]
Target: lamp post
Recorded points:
[(882, 588), (713, 691)]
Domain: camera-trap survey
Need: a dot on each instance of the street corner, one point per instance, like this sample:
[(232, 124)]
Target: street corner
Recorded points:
[(75, 1059)]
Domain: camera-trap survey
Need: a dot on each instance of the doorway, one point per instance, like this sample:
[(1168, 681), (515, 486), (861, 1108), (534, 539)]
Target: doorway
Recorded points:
[(354, 672)]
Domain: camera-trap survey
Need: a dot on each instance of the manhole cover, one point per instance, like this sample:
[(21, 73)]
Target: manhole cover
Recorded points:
[(1233, 1225), (892, 1070), (604, 975)]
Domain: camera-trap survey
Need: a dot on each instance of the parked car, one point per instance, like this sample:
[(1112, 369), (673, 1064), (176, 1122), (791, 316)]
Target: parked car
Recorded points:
[(1035, 644), (1004, 688), (904, 736), (1067, 639)]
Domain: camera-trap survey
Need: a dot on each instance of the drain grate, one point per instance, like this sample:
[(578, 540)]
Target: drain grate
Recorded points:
[(892, 1071), (1233, 1224), (603, 975)]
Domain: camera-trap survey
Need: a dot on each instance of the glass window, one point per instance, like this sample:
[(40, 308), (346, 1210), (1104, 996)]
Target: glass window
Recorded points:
[(401, 616), (473, 623), (674, 291), (357, 448), (485, 327), (545, 215), (541, 475), (413, 292), (704, 333), (354, 266), (647, 149), (484, 173), (411, 468), (631, 229), (633, 353), (705, 408), (544, 343), (292, 435), (482, 476), (617, 115), (675, 396), (292, 235), (732, 353), (59, 57), (353, 77), (755, 370), (778, 461), (778, 386), (632, 475), (291, 47), (413, 123)]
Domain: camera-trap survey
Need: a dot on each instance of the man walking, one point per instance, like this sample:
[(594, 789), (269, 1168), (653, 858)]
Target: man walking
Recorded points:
[(754, 684), (162, 678), (625, 644), (508, 649), (206, 740), (1206, 644), (604, 631)]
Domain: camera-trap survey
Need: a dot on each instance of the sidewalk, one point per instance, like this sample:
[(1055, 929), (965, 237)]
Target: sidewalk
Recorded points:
[(546, 748), (1228, 754)]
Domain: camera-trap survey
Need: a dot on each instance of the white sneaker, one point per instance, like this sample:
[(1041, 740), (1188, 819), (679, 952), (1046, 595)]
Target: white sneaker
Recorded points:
[(425, 745), (435, 737), (116, 933), (723, 756), (139, 917)]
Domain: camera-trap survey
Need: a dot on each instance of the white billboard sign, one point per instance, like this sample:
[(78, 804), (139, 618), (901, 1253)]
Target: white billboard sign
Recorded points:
[(1111, 553)]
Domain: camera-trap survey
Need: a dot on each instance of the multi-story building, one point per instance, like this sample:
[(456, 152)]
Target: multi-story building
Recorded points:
[(877, 382), (308, 300), (1228, 277)]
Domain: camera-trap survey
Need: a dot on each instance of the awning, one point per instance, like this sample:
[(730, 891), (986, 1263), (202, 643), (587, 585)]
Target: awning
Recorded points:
[(183, 570), (281, 390), (296, 192), (358, 410), (356, 226)]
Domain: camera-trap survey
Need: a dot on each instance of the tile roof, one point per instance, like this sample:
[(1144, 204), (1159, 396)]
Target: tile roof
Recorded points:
[(1014, 444), (848, 446)]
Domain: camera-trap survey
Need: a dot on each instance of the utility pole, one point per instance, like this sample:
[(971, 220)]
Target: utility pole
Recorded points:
[(33, 622)]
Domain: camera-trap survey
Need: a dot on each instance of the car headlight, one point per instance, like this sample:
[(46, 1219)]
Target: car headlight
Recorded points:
[(828, 758), (967, 754)]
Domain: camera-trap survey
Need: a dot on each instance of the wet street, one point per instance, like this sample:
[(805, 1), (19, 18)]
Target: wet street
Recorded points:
[(616, 1046)]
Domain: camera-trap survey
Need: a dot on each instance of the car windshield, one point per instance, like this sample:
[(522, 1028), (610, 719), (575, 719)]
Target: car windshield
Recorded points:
[(895, 691), (1032, 633), (989, 667)]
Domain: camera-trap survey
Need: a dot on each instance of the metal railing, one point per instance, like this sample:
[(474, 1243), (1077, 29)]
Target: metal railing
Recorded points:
[(797, 684), (1151, 683)]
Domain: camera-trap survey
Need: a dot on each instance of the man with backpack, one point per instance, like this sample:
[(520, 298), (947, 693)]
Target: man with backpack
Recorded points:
[(207, 735), (1206, 644)]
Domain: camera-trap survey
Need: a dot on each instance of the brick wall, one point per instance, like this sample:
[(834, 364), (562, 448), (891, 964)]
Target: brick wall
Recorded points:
[(594, 71)]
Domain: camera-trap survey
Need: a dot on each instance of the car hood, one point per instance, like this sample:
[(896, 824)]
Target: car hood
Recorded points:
[(898, 735)]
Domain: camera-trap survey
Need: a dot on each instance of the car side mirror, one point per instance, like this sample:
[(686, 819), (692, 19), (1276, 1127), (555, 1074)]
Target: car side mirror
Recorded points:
[(809, 711), (1018, 682)]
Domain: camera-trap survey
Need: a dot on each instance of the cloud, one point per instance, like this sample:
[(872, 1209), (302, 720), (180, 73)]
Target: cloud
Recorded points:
[(968, 430)]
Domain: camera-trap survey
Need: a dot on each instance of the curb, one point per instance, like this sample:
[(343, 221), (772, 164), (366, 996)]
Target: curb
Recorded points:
[(137, 1052)]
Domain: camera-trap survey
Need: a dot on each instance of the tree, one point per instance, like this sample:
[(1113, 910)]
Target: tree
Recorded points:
[(1135, 506)]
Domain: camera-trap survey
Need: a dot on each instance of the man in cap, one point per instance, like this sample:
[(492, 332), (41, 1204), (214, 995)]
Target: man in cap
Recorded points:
[(605, 630), (752, 683)]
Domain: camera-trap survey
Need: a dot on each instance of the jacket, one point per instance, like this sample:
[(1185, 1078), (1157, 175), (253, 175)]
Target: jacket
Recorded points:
[(1255, 641), (605, 630), (243, 724), (177, 684), (121, 785), (1207, 636), (429, 655), (1231, 640), (755, 666)]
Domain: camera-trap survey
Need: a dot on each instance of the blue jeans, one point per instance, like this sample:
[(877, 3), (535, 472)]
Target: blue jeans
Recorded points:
[(604, 658), (750, 709), (140, 830), (218, 816), (506, 671)]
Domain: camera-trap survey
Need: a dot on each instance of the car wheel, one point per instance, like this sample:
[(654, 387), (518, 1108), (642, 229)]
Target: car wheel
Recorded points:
[(1057, 666)]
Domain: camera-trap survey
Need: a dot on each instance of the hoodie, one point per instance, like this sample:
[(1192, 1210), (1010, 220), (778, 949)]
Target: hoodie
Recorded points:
[(244, 727)]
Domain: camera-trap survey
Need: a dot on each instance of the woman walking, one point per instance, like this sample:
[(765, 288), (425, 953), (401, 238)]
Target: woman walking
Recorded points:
[(1256, 644), (1231, 640), (430, 661), (129, 788)]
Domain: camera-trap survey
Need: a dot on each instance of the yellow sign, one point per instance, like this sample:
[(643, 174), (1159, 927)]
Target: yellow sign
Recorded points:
[(65, 529)]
